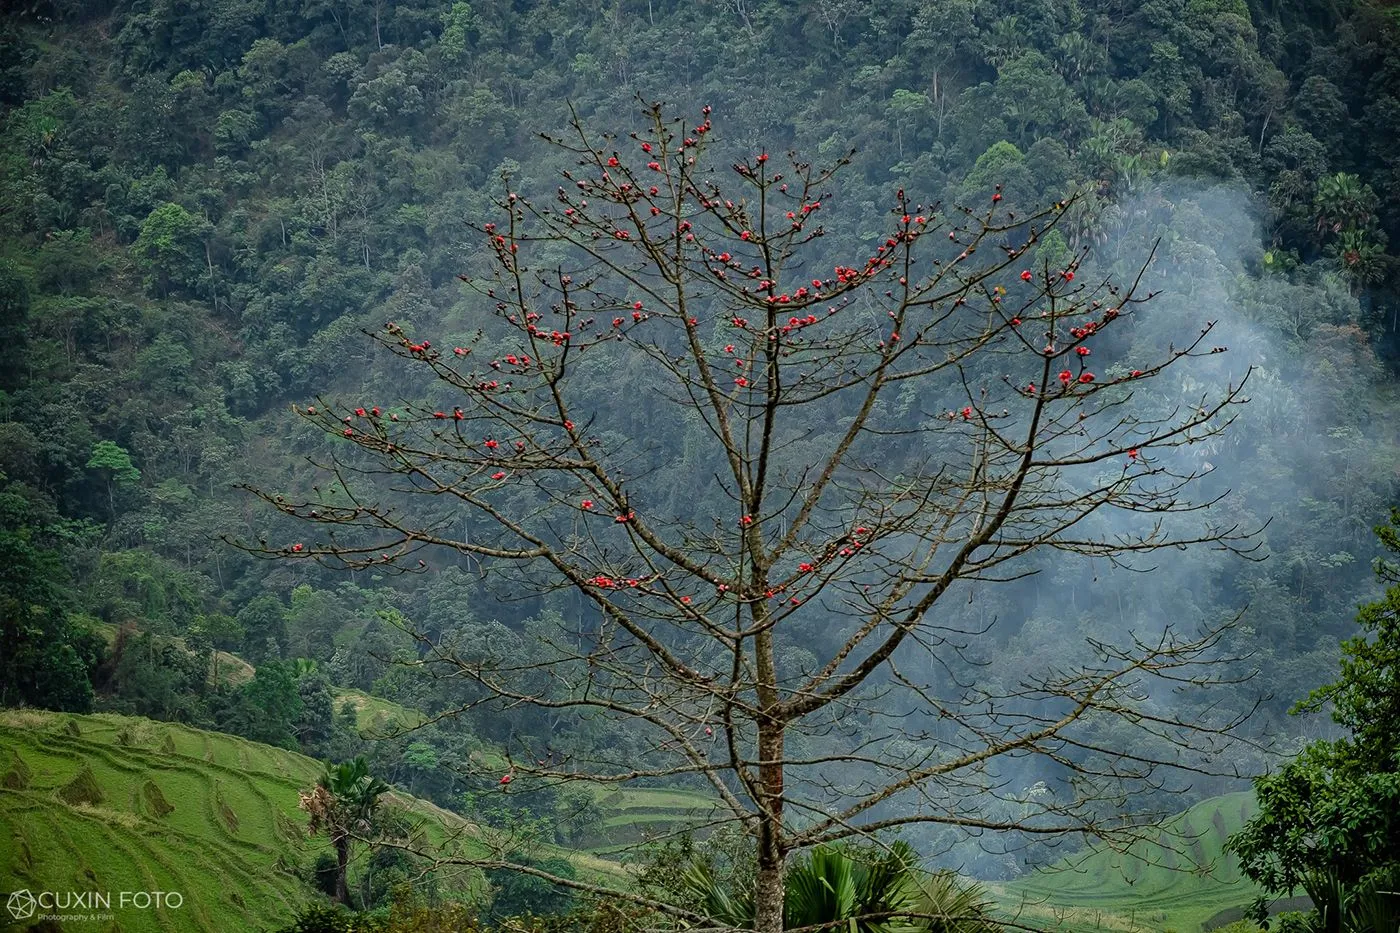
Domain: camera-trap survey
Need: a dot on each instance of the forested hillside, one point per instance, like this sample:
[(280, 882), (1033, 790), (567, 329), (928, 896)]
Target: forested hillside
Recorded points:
[(202, 206)]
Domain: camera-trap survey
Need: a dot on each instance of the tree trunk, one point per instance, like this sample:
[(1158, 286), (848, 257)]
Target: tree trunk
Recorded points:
[(342, 865), (769, 888)]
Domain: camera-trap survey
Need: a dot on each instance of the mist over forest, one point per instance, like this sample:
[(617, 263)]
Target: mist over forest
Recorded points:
[(276, 462)]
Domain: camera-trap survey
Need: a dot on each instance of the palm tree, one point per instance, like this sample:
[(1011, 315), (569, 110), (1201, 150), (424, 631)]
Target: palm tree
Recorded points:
[(1343, 202), (343, 805), (835, 887)]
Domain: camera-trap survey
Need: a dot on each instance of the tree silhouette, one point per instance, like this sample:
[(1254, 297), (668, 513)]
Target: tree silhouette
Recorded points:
[(862, 448)]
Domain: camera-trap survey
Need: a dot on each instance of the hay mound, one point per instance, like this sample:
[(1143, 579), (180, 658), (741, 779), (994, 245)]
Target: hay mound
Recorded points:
[(229, 817), (82, 789), (17, 778), (155, 800)]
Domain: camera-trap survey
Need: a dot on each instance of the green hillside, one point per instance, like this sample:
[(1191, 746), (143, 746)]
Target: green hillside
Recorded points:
[(1175, 882), (112, 803)]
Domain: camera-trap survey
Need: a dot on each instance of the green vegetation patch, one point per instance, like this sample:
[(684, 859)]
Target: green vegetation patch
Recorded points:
[(1175, 881), (114, 808)]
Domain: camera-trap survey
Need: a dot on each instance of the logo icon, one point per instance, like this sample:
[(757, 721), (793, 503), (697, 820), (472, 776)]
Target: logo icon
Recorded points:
[(21, 905)]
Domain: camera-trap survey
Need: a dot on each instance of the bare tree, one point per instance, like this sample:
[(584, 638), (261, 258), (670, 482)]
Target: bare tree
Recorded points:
[(883, 437)]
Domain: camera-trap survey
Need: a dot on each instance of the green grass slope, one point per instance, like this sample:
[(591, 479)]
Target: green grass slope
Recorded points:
[(113, 803), (1174, 882), (630, 814)]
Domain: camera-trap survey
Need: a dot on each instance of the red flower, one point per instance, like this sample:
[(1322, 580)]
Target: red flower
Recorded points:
[(1066, 376), (1026, 276), (1136, 372), (709, 731), (1015, 322), (360, 412), (612, 161), (460, 351), (617, 322), (729, 348), (763, 157), (625, 518), (646, 147), (996, 198), (1082, 351), (746, 235), (374, 411), (805, 568), (349, 432), (1069, 276), (1133, 453), (311, 409), (498, 475), (1030, 389), (746, 521), (586, 504), (636, 306), (741, 382), (568, 425), (686, 600), (297, 548), (506, 779), (492, 445), (654, 166), (967, 413), (457, 414), (1087, 378)]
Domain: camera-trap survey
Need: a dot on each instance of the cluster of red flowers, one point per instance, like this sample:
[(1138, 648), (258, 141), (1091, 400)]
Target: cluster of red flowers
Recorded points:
[(855, 544), (795, 323)]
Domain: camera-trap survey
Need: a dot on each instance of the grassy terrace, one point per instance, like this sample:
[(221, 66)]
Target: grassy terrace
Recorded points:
[(111, 803)]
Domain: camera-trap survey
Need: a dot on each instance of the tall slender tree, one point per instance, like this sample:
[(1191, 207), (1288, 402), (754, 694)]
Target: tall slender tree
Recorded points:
[(834, 441)]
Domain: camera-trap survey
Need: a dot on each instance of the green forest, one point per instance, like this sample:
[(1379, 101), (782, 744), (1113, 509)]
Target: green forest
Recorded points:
[(627, 430)]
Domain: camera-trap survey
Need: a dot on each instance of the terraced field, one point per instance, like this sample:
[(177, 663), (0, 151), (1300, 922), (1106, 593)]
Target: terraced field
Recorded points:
[(113, 803), (1177, 882), (633, 813), (377, 717)]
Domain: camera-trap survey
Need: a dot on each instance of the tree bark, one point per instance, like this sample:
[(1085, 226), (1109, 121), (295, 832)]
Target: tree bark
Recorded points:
[(342, 865), (769, 888)]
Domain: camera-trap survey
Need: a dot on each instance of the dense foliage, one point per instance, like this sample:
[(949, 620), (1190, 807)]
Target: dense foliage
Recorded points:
[(1329, 820), (205, 203)]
